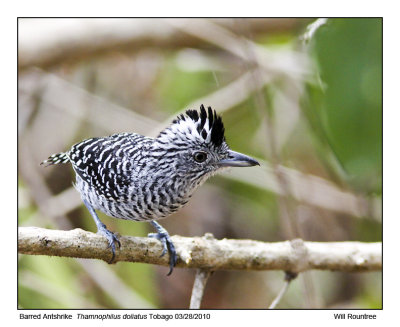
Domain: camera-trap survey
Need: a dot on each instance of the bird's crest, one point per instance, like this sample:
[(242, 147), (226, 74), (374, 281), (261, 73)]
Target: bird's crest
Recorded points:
[(205, 125)]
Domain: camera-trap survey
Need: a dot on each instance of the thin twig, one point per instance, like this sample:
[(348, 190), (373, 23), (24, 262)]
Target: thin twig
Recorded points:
[(280, 295), (199, 285), (288, 278)]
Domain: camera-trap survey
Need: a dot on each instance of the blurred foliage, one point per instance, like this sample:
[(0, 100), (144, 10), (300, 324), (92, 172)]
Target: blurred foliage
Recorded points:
[(336, 136), (184, 86), (346, 109)]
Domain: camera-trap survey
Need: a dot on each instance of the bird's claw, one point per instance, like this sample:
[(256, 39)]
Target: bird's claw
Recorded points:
[(112, 240), (167, 244)]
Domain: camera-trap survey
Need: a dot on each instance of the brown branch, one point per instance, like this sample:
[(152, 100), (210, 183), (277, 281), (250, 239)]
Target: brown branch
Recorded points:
[(207, 252), (82, 39)]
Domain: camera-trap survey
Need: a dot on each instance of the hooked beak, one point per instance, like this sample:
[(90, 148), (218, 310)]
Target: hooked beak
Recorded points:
[(236, 159)]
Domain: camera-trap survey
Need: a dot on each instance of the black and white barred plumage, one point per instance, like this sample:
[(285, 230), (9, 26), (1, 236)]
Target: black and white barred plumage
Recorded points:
[(130, 176)]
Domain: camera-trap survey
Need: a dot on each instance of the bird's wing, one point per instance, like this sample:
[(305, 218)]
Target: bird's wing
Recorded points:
[(106, 163)]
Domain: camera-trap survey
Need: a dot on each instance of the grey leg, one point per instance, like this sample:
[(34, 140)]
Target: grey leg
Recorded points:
[(102, 229), (163, 236)]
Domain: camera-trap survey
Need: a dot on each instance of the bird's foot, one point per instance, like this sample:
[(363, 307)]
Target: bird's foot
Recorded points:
[(166, 241), (111, 238)]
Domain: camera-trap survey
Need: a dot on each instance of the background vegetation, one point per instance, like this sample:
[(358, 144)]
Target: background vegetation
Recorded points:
[(302, 95)]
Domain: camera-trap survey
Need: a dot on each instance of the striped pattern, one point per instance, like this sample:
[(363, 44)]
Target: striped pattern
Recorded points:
[(55, 159), (133, 177)]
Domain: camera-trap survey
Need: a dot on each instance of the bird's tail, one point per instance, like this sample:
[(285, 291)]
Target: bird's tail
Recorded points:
[(56, 159)]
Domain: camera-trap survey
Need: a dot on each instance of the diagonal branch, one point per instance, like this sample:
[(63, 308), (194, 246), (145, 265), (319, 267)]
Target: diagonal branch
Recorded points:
[(83, 39), (206, 252), (199, 285)]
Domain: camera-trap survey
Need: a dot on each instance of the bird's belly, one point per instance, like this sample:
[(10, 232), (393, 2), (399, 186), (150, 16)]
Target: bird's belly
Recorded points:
[(134, 211), (139, 207)]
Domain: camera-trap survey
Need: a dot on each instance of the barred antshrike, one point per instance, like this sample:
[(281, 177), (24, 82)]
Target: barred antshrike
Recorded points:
[(130, 176)]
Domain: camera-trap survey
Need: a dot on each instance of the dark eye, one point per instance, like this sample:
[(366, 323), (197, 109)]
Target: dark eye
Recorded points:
[(200, 156)]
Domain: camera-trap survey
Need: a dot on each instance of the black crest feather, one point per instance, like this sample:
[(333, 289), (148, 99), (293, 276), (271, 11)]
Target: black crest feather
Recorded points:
[(214, 123)]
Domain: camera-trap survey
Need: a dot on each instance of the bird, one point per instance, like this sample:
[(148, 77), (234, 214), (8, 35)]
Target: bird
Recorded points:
[(134, 177)]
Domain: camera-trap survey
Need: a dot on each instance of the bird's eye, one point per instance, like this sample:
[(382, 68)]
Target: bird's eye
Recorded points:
[(200, 156)]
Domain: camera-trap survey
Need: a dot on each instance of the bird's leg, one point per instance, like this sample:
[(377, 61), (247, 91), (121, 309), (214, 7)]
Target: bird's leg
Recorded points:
[(163, 236), (102, 229)]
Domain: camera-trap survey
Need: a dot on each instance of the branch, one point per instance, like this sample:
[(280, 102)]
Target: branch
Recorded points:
[(288, 278), (199, 285), (84, 39), (206, 252)]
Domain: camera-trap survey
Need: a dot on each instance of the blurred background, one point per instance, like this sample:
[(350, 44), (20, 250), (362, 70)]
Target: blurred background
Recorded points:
[(304, 96)]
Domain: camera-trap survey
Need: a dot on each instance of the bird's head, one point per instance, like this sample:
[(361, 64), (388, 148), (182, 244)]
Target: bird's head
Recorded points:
[(195, 144)]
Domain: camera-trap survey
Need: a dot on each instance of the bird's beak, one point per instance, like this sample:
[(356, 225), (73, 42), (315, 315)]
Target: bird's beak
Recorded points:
[(236, 159)]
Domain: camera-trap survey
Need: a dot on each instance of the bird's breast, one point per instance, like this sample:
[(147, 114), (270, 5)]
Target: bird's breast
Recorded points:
[(144, 199)]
